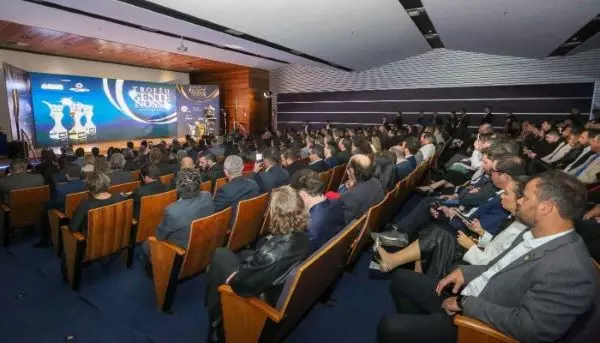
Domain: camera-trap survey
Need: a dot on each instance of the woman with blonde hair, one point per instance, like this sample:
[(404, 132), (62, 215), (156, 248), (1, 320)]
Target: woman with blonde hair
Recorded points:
[(264, 270)]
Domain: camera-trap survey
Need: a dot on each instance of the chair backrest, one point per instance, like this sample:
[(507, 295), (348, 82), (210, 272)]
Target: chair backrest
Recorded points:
[(248, 221), (401, 195), (219, 183), (326, 177), (26, 205), (307, 282), (205, 186), (206, 235), (124, 187), (109, 229), (152, 208), (388, 208), (135, 175), (372, 222), (337, 177), (167, 179), (72, 201)]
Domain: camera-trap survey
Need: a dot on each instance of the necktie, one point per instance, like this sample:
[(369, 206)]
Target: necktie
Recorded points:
[(581, 160), (586, 164)]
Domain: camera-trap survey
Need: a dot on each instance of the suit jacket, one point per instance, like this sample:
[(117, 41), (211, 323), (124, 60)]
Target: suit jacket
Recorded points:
[(343, 156), (326, 220), (413, 162), (294, 167), (403, 169), (568, 158), (64, 189), (588, 176), (486, 190), (318, 166), (491, 215), (358, 199), (550, 288), (175, 225), (18, 181), (151, 188), (118, 177), (240, 188), (272, 178), (130, 165), (331, 162)]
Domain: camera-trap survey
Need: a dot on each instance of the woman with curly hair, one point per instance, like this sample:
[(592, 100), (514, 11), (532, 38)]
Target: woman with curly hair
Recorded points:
[(264, 270)]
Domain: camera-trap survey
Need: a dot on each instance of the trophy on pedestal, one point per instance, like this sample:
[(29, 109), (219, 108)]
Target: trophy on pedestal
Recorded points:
[(90, 127), (58, 131)]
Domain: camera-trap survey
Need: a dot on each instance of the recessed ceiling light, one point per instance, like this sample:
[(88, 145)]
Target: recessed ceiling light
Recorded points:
[(22, 44), (233, 46), (26, 37)]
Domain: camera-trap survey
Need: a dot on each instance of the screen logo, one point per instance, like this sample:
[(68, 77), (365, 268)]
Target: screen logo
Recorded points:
[(79, 88), (53, 86)]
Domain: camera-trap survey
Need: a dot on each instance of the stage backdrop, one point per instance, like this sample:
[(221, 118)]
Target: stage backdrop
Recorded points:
[(77, 109), (18, 89), (198, 109)]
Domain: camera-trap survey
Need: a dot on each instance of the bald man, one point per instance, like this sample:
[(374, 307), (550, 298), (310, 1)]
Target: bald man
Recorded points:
[(186, 163), (364, 190)]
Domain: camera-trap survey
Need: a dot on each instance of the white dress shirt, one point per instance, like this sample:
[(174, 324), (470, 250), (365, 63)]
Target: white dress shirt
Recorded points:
[(529, 243), (427, 150), (494, 245)]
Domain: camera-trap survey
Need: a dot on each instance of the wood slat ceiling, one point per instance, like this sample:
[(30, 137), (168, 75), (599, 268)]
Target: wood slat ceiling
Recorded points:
[(35, 39)]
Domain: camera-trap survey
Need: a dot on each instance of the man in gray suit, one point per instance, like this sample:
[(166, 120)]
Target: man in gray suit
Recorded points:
[(534, 291), (192, 204), (18, 178)]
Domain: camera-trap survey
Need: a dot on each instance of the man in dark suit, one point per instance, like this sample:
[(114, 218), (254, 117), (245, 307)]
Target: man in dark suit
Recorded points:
[(192, 204), (364, 190), (331, 152), (326, 217), (546, 278), (291, 161), (239, 188), (117, 174), (316, 156), (403, 166), (73, 184), (210, 169), (19, 178), (345, 146), (268, 174), (411, 146), (151, 177)]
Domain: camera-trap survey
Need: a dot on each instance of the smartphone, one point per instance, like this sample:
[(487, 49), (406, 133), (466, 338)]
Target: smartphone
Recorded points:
[(259, 157), (462, 216)]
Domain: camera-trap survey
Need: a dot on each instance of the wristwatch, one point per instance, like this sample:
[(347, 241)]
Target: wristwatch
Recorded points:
[(460, 300)]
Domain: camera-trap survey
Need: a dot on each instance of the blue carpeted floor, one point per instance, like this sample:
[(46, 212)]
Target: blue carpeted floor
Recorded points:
[(116, 304)]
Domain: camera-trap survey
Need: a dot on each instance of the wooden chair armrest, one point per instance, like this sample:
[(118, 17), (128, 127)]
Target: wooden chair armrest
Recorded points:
[(5, 208), (68, 234), (473, 330), (152, 241), (273, 314), (60, 215)]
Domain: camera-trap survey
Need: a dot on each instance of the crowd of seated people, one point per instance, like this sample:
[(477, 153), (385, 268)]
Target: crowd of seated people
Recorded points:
[(508, 208)]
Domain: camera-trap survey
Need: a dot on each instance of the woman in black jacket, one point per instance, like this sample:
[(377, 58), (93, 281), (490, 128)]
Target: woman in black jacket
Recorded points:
[(264, 270)]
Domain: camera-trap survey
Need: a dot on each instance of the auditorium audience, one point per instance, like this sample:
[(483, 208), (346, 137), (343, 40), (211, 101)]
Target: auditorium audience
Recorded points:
[(130, 164), (97, 184), (316, 156), (19, 178), (363, 190), (264, 270), (534, 291), (326, 217), (117, 175), (291, 161), (151, 185), (587, 167), (238, 188), (427, 149), (268, 174), (210, 169), (331, 152)]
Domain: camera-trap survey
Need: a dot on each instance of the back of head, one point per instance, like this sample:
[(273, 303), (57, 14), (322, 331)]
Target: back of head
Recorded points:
[(502, 146), (567, 193), (188, 183), (290, 154), (130, 145), (287, 211), (128, 154), (181, 154), (97, 182), (79, 152), (156, 156), (272, 156), (233, 165), (384, 171), (150, 170), (73, 170), (101, 165), (346, 143), (117, 161), (186, 163), (18, 165), (95, 151), (510, 164), (362, 167), (309, 181), (412, 144), (318, 150), (398, 151)]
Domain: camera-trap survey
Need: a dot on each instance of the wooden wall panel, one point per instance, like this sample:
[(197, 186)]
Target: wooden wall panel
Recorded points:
[(241, 96)]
